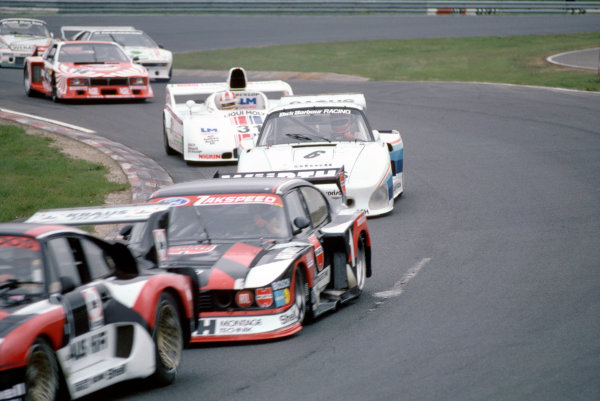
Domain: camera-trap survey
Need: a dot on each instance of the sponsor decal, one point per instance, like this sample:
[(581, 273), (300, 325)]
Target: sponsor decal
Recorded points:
[(319, 256), (174, 201), (243, 299), (86, 346), (93, 304), (334, 194), (107, 375), (247, 120), (245, 113), (321, 173), (13, 393), (211, 139), (9, 241), (229, 199), (282, 297), (278, 285), (264, 297), (287, 253), (160, 244), (322, 279), (190, 249), (289, 317), (125, 91), (209, 157), (209, 130)]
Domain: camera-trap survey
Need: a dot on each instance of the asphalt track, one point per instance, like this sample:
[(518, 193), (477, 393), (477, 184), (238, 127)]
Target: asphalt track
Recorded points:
[(486, 282)]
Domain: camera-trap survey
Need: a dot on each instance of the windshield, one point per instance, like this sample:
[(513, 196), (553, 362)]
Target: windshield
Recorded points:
[(227, 221), (23, 28), (92, 53), (134, 39), (21, 271), (314, 125)]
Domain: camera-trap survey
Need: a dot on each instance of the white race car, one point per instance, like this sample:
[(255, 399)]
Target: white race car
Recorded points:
[(137, 44), (310, 133), (19, 38), (206, 122)]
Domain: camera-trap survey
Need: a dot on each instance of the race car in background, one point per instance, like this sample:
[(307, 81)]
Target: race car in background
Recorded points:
[(267, 254), (205, 122), (19, 38), (85, 70), (137, 44), (309, 133), (76, 315)]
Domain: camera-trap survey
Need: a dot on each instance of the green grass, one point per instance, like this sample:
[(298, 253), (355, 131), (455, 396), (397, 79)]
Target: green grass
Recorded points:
[(37, 176), (512, 59)]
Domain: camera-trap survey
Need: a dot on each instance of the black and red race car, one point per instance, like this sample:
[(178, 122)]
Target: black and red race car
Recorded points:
[(266, 254), (76, 315)]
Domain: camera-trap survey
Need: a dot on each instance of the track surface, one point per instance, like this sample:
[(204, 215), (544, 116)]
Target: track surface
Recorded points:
[(489, 261)]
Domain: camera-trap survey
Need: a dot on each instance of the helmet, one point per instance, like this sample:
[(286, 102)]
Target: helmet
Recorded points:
[(340, 125), (227, 100)]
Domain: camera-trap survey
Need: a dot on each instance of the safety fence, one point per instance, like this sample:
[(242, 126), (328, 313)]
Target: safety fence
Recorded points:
[(300, 7)]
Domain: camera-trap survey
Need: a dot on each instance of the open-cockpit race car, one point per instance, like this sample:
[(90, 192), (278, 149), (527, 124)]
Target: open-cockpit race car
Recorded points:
[(309, 133), (266, 254), (76, 315), (205, 122)]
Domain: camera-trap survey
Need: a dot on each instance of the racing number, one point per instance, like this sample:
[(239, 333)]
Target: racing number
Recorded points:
[(314, 154)]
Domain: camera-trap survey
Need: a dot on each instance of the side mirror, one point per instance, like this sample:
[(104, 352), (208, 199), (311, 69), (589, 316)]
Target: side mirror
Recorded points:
[(136, 59), (66, 284), (125, 232), (160, 46), (301, 223), (376, 135)]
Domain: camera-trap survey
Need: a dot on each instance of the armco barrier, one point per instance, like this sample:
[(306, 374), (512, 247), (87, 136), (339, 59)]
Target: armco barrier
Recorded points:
[(300, 7)]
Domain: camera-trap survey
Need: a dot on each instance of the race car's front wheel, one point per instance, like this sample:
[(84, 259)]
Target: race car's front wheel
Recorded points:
[(41, 374), (360, 268), (301, 297), (168, 340), (27, 82)]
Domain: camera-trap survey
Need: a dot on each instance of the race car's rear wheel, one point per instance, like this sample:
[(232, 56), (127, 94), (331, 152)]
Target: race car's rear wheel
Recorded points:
[(168, 340), (41, 374), (360, 268), (54, 95), (168, 149)]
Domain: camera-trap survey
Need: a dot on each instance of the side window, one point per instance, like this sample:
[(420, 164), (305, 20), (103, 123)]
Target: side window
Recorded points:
[(295, 207), (64, 259), (51, 53), (99, 263), (317, 205)]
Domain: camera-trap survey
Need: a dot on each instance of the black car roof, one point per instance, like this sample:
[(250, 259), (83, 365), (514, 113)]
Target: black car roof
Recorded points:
[(230, 185)]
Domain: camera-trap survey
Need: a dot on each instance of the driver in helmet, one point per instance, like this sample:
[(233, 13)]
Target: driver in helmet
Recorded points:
[(227, 100), (341, 127)]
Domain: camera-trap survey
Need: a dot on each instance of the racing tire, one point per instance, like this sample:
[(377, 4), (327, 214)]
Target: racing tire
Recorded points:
[(360, 268), (42, 379), (54, 94), (302, 298), (27, 82), (168, 340), (168, 149)]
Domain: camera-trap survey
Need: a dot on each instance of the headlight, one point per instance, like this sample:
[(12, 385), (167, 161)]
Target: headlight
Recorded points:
[(80, 82), (380, 198), (137, 81)]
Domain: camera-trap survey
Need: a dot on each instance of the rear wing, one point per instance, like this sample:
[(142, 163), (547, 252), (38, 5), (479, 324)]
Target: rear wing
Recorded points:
[(68, 32), (341, 98), (205, 89), (82, 216), (317, 176)]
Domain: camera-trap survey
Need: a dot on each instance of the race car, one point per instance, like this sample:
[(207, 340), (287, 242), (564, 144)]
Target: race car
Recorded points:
[(266, 254), (19, 38), (308, 133), (76, 315), (206, 121), (85, 70), (137, 44)]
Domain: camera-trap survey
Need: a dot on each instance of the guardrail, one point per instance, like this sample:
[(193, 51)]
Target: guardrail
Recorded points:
[(300, 7)]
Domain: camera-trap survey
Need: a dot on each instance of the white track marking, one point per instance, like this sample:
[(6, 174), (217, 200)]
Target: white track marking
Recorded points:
[(398, 288), (48, 120)]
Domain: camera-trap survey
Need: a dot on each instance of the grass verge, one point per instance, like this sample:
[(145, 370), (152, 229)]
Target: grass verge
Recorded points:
[(36, 175), (510, 59)]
